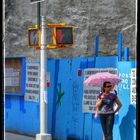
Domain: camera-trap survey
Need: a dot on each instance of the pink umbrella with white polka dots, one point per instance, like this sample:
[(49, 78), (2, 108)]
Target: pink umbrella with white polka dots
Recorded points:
[(99, 78)]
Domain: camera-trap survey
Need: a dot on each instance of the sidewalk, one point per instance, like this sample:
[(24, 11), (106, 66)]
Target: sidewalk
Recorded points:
[(12, 136)]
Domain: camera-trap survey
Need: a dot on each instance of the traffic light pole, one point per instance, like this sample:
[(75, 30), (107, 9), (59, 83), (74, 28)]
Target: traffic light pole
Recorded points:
[(38, 15), (43, 110)]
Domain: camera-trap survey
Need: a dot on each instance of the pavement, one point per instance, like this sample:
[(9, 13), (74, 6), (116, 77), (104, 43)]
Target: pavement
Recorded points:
[(13, 136)]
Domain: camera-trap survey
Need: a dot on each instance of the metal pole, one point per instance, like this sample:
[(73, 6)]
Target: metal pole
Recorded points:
[(42, 76), (38, 15), (43, 121)]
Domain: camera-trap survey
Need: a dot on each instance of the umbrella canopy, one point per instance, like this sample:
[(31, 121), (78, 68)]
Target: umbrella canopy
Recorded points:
[(99, 78)]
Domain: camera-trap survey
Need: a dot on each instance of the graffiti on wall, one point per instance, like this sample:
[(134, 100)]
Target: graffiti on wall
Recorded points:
[(60, 94), (125, 79), (75, 104)]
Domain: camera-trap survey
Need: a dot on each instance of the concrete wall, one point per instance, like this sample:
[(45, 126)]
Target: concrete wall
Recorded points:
[(105, 18), (67, 120)]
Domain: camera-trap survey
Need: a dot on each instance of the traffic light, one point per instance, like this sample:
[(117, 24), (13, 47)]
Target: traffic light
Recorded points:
[(33, 37), (63, 36)]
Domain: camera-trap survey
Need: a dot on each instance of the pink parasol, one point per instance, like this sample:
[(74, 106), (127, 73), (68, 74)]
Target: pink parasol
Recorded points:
[(99, 78)]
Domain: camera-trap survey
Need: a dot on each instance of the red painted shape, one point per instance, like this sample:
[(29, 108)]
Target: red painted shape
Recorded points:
[(79, 72), (48, 84)]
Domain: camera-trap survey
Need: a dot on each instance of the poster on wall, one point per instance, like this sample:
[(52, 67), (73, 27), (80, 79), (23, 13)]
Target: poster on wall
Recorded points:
[(133, 87), (32, 82), (90, 93), (14, 68)]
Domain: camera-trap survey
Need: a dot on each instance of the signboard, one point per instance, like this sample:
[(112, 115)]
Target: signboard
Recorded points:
[(89, 99), (36, 1), (133, 87), (32, 82), (91, 92), (14, 79)]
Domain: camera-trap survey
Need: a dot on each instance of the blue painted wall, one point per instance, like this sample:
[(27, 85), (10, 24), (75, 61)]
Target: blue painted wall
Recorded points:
[(21, 116), (66, 121), (127, 114)]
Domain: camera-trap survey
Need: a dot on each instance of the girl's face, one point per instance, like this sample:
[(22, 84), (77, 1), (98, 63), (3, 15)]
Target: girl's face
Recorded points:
[(108, 87)]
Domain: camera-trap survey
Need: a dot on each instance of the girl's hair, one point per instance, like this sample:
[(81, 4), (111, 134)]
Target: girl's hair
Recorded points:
[(104, 85)]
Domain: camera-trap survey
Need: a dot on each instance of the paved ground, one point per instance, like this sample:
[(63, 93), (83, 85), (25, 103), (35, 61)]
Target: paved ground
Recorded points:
[(12, 136)]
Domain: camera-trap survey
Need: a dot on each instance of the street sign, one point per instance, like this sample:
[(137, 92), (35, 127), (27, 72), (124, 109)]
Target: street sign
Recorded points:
[(36, 1)]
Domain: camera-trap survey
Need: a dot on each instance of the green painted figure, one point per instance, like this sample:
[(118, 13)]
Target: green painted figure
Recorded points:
[(60, 94)]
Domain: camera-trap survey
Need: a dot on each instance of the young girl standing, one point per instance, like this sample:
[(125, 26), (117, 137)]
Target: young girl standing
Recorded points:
[(105, 102)]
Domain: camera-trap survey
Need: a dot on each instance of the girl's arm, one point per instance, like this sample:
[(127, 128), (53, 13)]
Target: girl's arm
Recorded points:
[(118, 102), (99, 101), (96, 113)]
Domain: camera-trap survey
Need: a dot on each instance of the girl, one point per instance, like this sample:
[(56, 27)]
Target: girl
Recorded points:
[(97, 108), (105, 102)]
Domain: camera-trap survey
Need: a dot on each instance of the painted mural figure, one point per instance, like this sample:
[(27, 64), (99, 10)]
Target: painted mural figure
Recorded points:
[(105, 103)]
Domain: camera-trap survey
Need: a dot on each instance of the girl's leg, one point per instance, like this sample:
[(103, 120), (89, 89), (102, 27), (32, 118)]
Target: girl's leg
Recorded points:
[(109, 126), (103, 123)]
